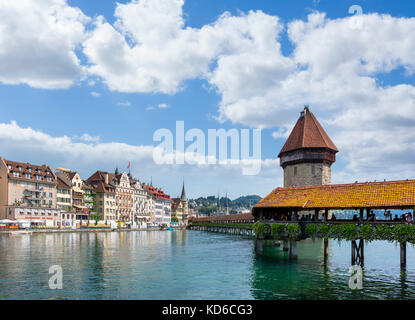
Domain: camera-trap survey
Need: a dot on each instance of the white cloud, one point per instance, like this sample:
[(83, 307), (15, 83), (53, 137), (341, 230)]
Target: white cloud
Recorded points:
[(148, 49), (29, 145), (95, 94), (38, 40), (163, 106)]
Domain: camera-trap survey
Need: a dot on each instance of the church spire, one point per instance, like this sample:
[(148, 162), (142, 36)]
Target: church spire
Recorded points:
[(183, 196)]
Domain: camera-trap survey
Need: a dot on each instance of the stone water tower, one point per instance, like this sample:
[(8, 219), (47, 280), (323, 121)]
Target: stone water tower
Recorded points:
[(308, 153)]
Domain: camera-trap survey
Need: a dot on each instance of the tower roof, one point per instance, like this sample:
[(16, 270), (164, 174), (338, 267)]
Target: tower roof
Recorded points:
[(183, 196), (308, 133)]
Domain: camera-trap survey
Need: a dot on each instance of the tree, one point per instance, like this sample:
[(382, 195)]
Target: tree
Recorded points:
[(174, 219)]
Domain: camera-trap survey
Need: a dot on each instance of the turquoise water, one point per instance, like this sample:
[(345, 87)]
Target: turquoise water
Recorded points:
[(192, 265)]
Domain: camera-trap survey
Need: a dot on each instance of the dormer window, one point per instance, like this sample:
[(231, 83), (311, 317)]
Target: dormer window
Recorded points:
[(16, 174), (9, 166)]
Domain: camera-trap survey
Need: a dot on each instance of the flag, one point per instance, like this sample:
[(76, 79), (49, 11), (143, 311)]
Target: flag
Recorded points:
[(128, 166)]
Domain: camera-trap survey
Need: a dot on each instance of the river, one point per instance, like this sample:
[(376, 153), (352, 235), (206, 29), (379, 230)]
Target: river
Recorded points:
[(193, 265)]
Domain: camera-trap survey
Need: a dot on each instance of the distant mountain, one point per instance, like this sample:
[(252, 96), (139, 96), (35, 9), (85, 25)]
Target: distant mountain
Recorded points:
[(247, 200), (207, 205)]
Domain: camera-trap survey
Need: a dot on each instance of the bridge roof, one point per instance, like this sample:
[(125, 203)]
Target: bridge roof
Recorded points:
[(390, 194)]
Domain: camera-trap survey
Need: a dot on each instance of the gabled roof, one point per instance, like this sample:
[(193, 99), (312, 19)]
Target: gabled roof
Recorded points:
[(307, 133), (31, 170), (383, 195), (63, 181), (97, 180)]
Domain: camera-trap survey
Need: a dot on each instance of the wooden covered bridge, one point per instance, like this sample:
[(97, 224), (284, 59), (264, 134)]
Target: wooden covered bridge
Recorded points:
[(288, 205)]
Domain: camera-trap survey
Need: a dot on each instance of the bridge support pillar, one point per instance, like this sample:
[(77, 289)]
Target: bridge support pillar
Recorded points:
[(358, 253), (326, 249), (259, 246), (285, 245), (403, 255), (292, 254)]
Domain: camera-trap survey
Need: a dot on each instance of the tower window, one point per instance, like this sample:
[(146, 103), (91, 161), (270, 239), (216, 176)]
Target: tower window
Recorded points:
[(295, 171)]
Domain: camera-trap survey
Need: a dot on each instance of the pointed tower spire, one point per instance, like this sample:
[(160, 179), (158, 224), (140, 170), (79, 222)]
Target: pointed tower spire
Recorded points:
[(116, 171), (183, 196)]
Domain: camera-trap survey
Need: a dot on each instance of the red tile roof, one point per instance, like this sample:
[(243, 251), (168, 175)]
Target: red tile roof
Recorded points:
[(308, 133), (390, 194), (158, 193), (26, 170)]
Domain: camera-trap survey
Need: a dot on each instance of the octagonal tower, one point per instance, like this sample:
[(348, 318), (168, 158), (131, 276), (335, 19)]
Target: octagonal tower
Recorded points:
[(308, 153)]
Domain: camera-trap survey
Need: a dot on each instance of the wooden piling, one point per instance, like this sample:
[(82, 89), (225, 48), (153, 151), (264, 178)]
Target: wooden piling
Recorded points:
[(403, 254), (326, 249), (293, 250), (285, 245)]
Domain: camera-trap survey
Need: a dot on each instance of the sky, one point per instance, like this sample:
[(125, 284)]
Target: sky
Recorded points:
[(85, 85)]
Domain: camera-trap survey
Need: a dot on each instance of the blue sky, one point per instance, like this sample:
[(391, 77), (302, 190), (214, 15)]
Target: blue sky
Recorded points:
[(95, 102)]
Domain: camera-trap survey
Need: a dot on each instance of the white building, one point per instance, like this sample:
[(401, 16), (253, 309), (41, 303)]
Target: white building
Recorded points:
[(160, 205), (142, 201)]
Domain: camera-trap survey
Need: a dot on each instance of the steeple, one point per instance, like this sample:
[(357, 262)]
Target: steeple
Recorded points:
[(116, 171), (183, 196)]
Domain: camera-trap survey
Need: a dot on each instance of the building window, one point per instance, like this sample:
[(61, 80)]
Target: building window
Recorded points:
[(313, 170), (295, 171)]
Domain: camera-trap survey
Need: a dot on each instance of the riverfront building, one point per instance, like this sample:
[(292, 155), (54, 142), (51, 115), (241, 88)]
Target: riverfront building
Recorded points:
[(180, 207), (141, 201), (104, 185), (28, 192), (161, 203), (124, 196)]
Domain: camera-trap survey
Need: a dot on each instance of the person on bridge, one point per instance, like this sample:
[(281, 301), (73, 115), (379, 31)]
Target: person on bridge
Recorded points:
[(388, 215), (409, 218), (396, 218)]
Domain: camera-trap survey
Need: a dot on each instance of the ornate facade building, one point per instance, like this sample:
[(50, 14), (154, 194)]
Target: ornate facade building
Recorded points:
[(308, 153), (124, 196), (141, 201)]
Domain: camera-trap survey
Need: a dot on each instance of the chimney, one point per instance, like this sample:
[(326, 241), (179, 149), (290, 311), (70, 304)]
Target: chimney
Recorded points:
[(106, 177)]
